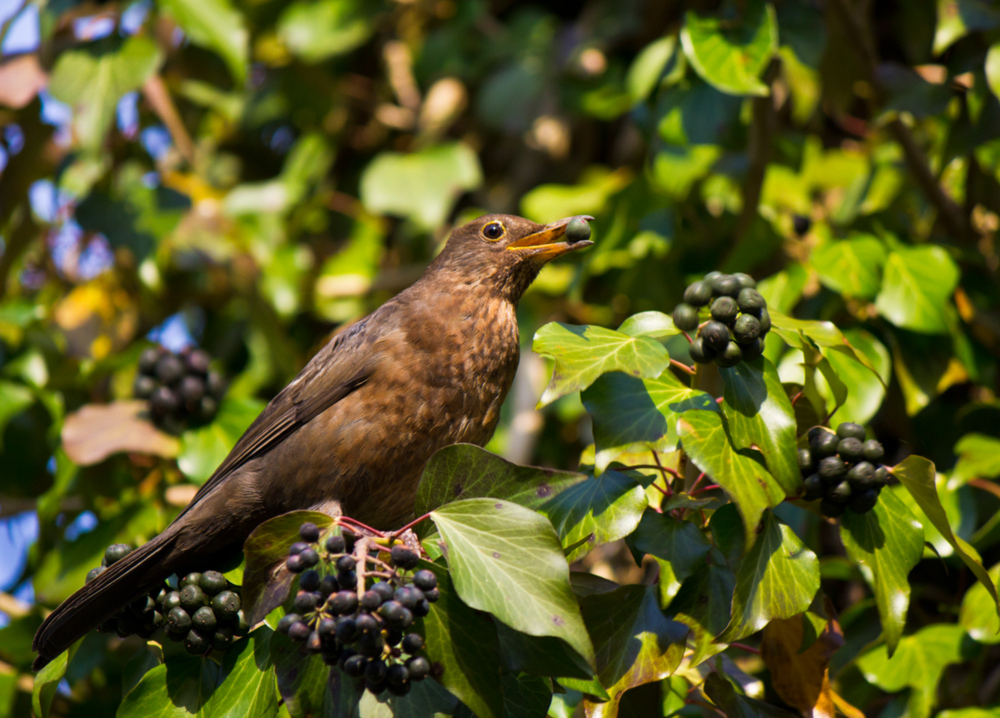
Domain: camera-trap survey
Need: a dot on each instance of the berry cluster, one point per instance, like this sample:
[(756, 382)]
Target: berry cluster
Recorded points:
[(739, 322), (203, 611), (352, 620), (842, 469), (180, 388)]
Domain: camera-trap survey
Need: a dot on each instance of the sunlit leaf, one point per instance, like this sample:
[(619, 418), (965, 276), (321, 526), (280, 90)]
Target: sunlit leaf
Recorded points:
[(800, 678), (978, 456), (917, 285), (203, 449), (726, 694), (851, 266), (978, 615), (704, 604), (316, 31), (216, 25), (680, 545), (887, 542)]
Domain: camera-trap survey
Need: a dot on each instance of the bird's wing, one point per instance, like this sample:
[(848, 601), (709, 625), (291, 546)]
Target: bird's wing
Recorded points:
[(339, 369)]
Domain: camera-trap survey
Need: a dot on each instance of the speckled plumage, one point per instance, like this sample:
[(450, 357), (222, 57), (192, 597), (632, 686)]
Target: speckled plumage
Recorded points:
[(352, 432)]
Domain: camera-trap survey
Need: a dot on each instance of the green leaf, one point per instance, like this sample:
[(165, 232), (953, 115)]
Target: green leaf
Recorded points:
[(507, 560), (811, 335), (852, 267), (215, 25), (731, 53), (524, 695), (316, 31), (597, 185), (421, 186), (243, 685), (918, 662), (886, 543), (92, 78), (464, 643), (583, 353), (46, 682), (866, 390), (992, 68), (596, 511), (747, 482), (957, 18), (649, 324), (680, 546), (633, 641), (309, 687), (695, 113), (760, 415), (777, 578), (14, 398), (704, 605), (648, 66), (727, 695), (978, 615), (466, 471), (638, 414), (978, 457), (917, 474), (203, 449), (540, 655), (916, 288), (265, 548)]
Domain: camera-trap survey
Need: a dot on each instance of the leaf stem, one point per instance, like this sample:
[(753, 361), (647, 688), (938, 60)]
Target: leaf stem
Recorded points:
[(745, 647), (710, 487), (355, 524), (682, 366), (408, 526)]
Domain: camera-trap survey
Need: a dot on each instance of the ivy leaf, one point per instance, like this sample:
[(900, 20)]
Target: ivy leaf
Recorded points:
[(215, 25), (540, 655), (747, 482), (265, 584), (203, 449), (633, 641), (316, 31), (918, 662), (852, 267), (760, 415), (638, 414), (523, 695), (704, 605), (978, 615), (649, 324), (866, 391), (507, 560), (680, 547), (978, 456), (463, 644), (726, 694), (46, 682), (596, 511), (777, 578), (917, 474), (421, 186), (583, 353), (916, 288), (808, 334), (308, 686), (887, 542), (243, 685), (465, 471), (731, 53)]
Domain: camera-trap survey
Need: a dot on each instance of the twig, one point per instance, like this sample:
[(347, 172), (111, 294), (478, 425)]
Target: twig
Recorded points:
[(397, 532), (360, 561), (696, 482), (682, 366), (663, 470), (745, 647), (985, 486), (355, 524), (159, 99), (703, 489)]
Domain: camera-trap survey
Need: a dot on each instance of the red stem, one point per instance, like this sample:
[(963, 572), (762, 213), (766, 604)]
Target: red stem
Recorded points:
[(682, 366), (696, 481), (409, 526), (702, 490), (745, 647), (656, 458), (354, 523)]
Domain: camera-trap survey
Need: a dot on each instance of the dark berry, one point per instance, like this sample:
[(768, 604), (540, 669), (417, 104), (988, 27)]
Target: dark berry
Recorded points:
[(425, 580), (715, 336), (171, 600), (343, 602), (299, 631), (348, 580), (345, 564), (309, 532), (384, 590), (191, 390), (335, 544), (148, 359), (424, 607), (724, 310), (881, 476), (432, 594), (745, 280), (392, 611), (393, 637), (354, 666), (376, 671), (839, 493), (215, 384), (213, 582), (197, 362), (685, 317), (328, 585), (222, 638), (309, 557), (305, 601), (327, 627), (94, 573), (813, 486), (204, 620), (851, 449), (197, 643), (169, 369), (765, 322), (143, 386), (832, 509), (698, 294), (314, 643), (824, 444), (347, 630), (753, 350), (419, 668), (408, 596), (116, 552), (700, 353), (369, 601), (296, 548), (397, 675), (746, 329), (864, 501), (862, 476), (178, 621), (850, 430), (806, 461), (192, 598), (800, 224), (287, 621), (371, 644), (725, 285), (831, 469), (294, 564), (750, 301), (412, 642), (207, 408), (404, 558), (732, 355), (873, 451), (191, 579), (309, 580)]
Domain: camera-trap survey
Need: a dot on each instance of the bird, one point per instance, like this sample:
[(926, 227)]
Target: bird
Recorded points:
[(351, 433)]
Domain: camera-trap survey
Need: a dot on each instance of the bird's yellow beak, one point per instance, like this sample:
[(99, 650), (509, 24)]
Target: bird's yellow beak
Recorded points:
[(545, 243)]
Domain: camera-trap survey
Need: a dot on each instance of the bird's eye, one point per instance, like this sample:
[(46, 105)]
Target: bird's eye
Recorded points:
[(493, 231)]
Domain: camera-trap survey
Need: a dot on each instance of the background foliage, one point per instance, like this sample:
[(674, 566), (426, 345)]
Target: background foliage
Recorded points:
[(251, 177)]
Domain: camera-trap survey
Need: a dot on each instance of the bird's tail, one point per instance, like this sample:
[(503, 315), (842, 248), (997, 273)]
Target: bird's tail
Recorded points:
[(109, 592)]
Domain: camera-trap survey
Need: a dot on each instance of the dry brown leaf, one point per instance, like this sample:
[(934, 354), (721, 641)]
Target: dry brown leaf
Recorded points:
[(20, 80), (96, 431), (801, 679)]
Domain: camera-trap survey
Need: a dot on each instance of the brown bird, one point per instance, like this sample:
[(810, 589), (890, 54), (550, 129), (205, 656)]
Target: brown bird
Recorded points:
[(351, 433)]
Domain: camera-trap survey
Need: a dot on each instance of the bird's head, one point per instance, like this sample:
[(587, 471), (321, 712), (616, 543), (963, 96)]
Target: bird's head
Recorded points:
[(505, 253)]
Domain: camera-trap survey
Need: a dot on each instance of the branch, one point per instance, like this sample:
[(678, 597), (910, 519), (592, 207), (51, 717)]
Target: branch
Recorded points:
[(156, 94)]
